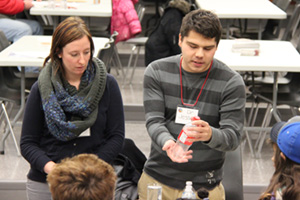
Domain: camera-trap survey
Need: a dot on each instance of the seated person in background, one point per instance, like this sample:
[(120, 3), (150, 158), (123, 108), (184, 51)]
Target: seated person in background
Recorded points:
[(285, 182), (163, 41), (124, 20), (75, 107), (81, 177), (14, 28)]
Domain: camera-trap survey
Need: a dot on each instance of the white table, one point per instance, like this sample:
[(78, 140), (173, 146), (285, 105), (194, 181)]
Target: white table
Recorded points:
[(83, 8), (275, 56), (31, 51), (243, 9)]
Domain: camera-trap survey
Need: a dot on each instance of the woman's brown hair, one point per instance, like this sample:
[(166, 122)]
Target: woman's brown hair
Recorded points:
[(69, 30)]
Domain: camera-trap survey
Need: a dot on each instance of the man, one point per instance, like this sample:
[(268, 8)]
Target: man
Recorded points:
[(14, 28), (180, 87), (84, 176)]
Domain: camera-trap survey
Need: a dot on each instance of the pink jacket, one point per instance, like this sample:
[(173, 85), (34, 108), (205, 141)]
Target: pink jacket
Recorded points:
[(124, 19)]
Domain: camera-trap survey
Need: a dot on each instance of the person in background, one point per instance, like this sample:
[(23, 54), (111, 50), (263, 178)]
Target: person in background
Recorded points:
[(14, 28), (191, 84), (83, 176), (285, 182), (125, 20), (75, 107), (163, 41)]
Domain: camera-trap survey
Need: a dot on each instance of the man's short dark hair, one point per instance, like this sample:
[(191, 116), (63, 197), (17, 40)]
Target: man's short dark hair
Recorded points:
[(203, 22)]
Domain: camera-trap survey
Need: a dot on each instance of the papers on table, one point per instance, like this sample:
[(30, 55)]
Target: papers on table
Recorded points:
[(29, 54), (246, 47), (41, 51), (71, 4)]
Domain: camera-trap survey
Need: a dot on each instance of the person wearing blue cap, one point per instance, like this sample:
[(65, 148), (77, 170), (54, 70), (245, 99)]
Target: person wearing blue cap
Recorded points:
[(285, 182)]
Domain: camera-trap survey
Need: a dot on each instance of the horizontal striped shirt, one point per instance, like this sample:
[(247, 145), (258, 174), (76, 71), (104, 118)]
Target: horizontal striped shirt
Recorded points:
[(221, 104)]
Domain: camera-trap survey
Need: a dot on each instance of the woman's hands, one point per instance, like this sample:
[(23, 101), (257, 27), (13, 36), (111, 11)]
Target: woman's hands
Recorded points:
[(49, 166), (28, 4)]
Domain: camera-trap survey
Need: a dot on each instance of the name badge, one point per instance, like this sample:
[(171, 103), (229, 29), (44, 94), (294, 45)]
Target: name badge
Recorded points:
[(183, 114), (85, 133)]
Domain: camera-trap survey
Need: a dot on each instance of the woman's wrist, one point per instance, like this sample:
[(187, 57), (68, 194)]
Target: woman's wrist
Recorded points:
[(49, 166)]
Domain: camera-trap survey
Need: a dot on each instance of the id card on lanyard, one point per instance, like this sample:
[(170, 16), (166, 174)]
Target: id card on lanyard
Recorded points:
[(185, 111), (184, 114)]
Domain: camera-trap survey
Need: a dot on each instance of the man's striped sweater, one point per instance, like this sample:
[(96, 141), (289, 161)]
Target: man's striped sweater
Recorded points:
[(221, 104)]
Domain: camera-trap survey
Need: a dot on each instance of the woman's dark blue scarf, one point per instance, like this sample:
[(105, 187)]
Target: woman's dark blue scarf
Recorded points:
[(68, 111)]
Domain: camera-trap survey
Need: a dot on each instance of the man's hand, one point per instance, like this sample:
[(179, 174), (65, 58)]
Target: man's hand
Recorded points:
[(28, 4), (170, 147), (202, 131)]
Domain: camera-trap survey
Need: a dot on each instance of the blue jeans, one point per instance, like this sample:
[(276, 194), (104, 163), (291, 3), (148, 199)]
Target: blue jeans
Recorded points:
[(14, 29)]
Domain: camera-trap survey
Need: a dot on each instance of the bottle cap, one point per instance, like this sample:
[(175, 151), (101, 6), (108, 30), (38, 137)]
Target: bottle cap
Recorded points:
[(189, 183), (195, 118)]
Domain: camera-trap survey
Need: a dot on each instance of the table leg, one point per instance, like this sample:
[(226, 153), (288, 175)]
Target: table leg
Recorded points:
[(259, 29), (227, 28), (55, 22), (275, 90)]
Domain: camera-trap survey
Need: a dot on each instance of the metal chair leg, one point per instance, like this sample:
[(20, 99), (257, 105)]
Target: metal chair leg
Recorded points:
[(262, 140), (118, 61), (11, 131), (129, 63), (135, 63)]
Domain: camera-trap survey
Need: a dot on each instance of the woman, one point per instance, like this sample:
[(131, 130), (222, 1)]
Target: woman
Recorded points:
[(285, 182), (75, 107)]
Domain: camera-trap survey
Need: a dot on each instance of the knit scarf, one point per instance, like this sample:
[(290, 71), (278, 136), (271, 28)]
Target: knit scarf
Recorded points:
[(68, 111)]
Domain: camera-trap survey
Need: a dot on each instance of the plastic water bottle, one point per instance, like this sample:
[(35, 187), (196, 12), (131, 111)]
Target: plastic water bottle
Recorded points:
[(189, 192), (182, 144)]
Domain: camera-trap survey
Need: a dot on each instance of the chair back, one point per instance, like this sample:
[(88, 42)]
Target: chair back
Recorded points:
[(292, 26), (3, 41), (282, 4), (105, 54), (3, 44), (233, 175)]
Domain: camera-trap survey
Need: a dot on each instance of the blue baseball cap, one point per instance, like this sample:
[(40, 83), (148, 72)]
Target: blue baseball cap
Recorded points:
[(287, 136)]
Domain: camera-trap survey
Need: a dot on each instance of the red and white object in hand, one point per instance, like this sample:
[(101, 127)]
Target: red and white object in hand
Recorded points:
[(183, 144)]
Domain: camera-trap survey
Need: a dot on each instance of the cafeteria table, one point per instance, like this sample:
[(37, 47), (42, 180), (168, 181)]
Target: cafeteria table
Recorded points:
[(274, 56), (243, 9)]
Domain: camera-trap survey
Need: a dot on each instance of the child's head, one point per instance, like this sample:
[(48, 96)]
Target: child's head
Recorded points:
[(287, 137), (285, 181)]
